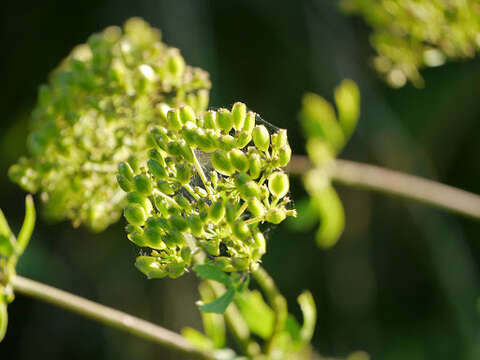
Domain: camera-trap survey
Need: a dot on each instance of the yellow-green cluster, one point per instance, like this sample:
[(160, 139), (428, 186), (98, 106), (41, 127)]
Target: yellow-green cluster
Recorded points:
[(411, 34), (209, 183), (95, 112)]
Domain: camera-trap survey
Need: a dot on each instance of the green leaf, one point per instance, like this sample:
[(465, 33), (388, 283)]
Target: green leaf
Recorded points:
[(197, 339), (309, 311), (28, 225), (211, 272), (219, 305), (347, 98), (332, 216), (3, 319), (7, 247), (4, 228), (258, 315)]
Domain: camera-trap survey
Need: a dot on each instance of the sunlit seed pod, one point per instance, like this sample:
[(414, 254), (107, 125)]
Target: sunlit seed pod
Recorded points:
[(186, 254), (174, 149), (210, 120), (230, 213), (183, 202), (155, 155), (227, 142), (211, 246), (153, 237), (261, 137), (224, 263), (216, 212), (187, 151), (135, 214), (161, 205), (221, 163), (183, 173), (173, 210), (125, 170), (224, 120), (243, 139), (176, 65), (214, 178), (275, 216), (133, 162), (142, 184), (196, 225), (178, 223), (175, 270), (259, 242), (239, 160), (173, 119), (150, 267), (132, 228), (156, 169), (249, 190), (204, 142), (256, 207), (138, 238), (249, 122), (187, 114), (284, 155), (255, 163), (189, 134), (240, 263), (278, 184), (165, 187), (239, 113), (241, 179), (173, 238), (203, 98), (241, 230), (279, 139), (124, 184)]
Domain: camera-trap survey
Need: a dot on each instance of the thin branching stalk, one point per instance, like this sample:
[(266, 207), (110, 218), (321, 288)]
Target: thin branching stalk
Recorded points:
[(107, 316), (392, 182)]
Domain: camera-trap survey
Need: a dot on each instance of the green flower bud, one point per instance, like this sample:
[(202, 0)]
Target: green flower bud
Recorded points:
[(216, 212), (187, 114), (243, 139), (150, 267), (175, 270), (221, 163), (173, 119), (241, 230), (184, 173), (196, 225), (249, 122), (255, 165), (210, 120), (142, 184), (284, 155), (179, 223), (278, 184), (125, 185), (239, 160), (275, 216), (156, 169), (240, 263), (125, 170), (261, 137), (224, 120), (135, 214), (256, 208), (239, 113)]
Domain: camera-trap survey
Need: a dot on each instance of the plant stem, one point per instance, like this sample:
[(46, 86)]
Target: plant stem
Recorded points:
[(392, 182), (107, 316)]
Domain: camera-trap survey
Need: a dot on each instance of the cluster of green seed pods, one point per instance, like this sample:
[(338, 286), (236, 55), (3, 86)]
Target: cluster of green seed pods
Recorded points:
[(95, 112), (209, 183)]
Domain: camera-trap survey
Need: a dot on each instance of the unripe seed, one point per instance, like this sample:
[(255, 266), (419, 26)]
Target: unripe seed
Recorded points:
[(162, 205), (240, 263), (153, 237), (249, 122), (189, 133), (256, 208), (187, 114), (173, 238), (221, 163), (138, 238), (224, 263), (211, 247), (175, 270), (249, 190), (156, 169), (204, 142), (284, 155), (227, 142), (216, 212), (125, 170), (155, 155), (178, 223), (239, 160), (255, 165), (210, 119), (243, 138), (260, 242), (165, 187), (133, 162), (173, 119), (278, 184), (261, 137), (184, 174), (280, 138), (176, 65), (241, 230), (183, 202), (125, 185), (230, 213), (173, 148), (239, 113), (135, 214), (149, 266), (275, 216), (186, 150), (224, 120), (195, 224), (142, 184)]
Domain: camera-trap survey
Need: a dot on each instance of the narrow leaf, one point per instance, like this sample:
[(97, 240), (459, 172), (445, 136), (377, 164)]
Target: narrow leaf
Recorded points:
[(347, 98), (211, 272), (28, 225), (309, 311), (3, 319), (258, 315), (7, 247), (4, 228), (332, 216), (219, 305)]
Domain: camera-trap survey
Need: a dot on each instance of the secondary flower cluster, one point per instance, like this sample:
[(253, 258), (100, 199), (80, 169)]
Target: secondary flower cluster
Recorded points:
[(209, 183), (95, 112)]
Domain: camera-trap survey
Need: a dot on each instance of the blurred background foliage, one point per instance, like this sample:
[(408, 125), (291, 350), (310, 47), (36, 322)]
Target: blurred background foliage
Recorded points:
[(403, 280)]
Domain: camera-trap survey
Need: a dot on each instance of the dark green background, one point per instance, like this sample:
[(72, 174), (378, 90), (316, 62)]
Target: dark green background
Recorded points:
[(404, 279)]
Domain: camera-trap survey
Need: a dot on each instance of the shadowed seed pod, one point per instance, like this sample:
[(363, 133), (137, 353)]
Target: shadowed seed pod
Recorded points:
[(209, 191), (96, 112)]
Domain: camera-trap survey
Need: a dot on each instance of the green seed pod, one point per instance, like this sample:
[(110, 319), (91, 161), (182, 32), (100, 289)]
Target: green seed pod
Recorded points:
[(249, 122), (196, 225), (156, 169), (183, 202), (125, 170), (150, 267), (243, 139), (255, 165), (125, 185), (279, 139), (260, 243), (256, 208), (175, 270), (142, 184), (241, 230), (187, 151), (133, 162), (189, 133), (135, 214), (230, 213), (210, 120), (165, 187), (178, 223), (221, 163), (284, 155), (155, 155), (176, 65), (186, 254), (162, 205), (173, 238), (173, 148), (261, 137), (240, 263), (137, 238), (278, 184), (224, 120), (216, 212), (173, 119), (204, 142), (184, 173), (224, 263), (211, 246), (239, 160), (276, 216), (227, 142), (187, 114), (214, 178), (239, 113), (249, 190), (241, 179), (153, 237)]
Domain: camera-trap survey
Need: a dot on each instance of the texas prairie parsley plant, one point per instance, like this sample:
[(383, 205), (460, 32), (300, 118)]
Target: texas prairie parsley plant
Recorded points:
[(209, 183), (95, 112)]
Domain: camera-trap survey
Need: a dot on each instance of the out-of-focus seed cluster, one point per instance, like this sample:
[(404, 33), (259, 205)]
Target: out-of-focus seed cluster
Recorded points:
[(209, 182), (95, 112)]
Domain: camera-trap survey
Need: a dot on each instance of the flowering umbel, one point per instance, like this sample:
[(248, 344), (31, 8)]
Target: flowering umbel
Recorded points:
[(95, 112), (209, 183)]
